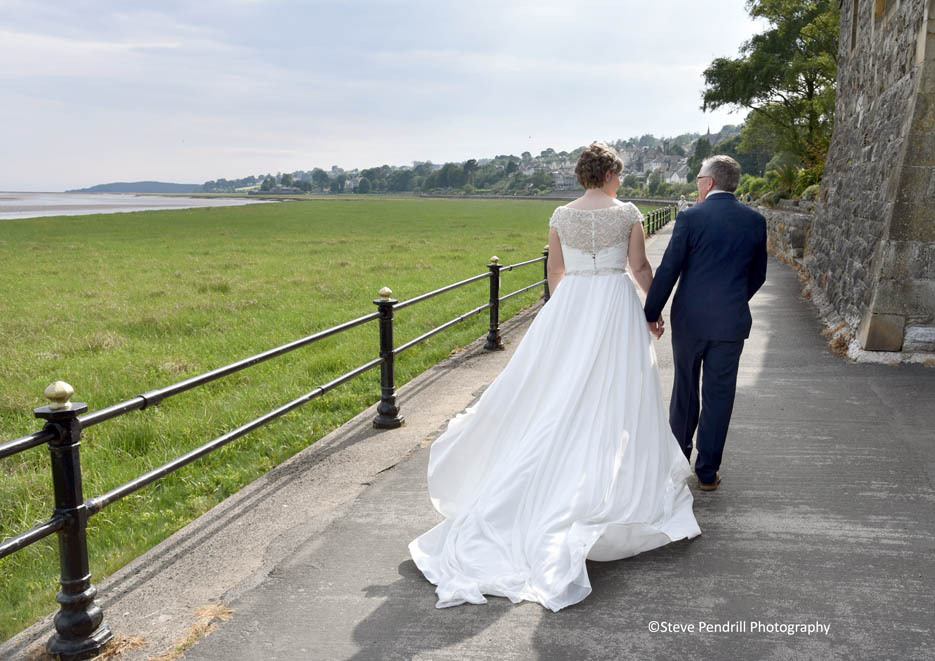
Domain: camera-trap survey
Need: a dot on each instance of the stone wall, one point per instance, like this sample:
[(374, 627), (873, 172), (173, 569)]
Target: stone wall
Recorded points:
[(787, 230), (871, 248)]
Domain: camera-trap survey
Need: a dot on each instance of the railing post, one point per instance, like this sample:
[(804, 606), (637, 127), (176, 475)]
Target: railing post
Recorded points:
[(387, 412), (545, 271), (493, 336), (79, 629)]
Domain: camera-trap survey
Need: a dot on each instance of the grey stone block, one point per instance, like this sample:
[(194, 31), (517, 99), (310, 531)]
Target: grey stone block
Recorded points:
[(881, 332), (919, 338)]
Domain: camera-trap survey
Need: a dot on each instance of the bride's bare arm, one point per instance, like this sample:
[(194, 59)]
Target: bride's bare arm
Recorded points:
[(556, 262), (640, 267)]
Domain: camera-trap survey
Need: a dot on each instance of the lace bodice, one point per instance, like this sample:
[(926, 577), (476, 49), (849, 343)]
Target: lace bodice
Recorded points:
[(595, 240)]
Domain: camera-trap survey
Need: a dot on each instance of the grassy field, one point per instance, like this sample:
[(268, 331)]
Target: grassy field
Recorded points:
[(119, 304)]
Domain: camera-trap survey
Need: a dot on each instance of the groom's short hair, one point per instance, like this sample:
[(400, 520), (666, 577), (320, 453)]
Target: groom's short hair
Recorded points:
[(724, 170)]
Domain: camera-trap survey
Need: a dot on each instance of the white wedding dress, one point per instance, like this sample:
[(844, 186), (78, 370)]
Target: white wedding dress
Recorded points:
[(568, 454)]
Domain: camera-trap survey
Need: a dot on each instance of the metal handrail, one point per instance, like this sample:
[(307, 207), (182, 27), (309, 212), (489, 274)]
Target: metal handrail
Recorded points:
[(438, 329), (31, 536), (95, 505), (26, 442), (154, 397), (516, 266), (442, 290), (520, 291)]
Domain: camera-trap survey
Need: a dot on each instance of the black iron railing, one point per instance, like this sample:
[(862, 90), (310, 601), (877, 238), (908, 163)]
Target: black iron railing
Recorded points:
[(80, 630), (657, 219)]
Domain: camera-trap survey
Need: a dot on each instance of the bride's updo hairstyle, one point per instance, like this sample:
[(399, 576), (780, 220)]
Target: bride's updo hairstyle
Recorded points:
[(594, 164)]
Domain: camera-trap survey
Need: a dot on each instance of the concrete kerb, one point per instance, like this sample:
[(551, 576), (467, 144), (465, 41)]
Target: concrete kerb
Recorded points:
[(235, 545)]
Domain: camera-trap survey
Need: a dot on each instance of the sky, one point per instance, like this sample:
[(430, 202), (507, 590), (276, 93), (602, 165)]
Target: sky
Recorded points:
[(93, 92)]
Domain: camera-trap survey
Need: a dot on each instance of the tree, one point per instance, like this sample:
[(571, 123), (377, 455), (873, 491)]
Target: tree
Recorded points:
[(268, 184), (758, 139), (320, 178), (470, 167), (286, 180), (748, 162), (423, 169), (451, 176), (630, 181), (363, 186), (648, 141), (400, 180), (511, 167), (783, 173), (702, 151), (337, 184), (786, 75), (542, 179)]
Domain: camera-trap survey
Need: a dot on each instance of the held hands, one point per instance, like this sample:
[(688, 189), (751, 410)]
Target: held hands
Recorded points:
[(657, 328)]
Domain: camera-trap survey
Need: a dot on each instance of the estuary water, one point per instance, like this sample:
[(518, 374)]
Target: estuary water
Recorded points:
[(36, 205)]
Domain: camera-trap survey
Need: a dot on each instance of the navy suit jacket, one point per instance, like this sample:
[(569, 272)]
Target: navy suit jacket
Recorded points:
[(718, 254)]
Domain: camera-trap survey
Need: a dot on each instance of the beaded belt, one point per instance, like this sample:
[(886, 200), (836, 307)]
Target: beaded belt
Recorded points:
[(604, 270)]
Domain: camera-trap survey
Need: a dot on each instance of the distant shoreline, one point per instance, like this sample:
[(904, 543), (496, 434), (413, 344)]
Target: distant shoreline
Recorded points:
[(21, 206)]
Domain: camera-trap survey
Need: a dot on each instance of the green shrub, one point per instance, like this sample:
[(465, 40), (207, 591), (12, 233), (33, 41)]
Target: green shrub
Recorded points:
[(811, 192), (755, 186), (772, 198)]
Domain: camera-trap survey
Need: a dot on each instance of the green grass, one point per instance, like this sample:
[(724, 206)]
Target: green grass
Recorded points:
[(119, 304)]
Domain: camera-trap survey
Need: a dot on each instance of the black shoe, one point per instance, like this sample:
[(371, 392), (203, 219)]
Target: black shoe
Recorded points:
[(704, 486)]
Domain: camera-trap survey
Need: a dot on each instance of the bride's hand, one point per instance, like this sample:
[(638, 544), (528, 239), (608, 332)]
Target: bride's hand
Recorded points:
[(656, 328)]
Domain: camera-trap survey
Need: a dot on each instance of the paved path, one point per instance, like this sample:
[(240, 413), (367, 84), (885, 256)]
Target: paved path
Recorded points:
[(826, 515)]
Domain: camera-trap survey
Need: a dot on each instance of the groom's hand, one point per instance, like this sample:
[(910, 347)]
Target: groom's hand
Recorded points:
[(657, 328)]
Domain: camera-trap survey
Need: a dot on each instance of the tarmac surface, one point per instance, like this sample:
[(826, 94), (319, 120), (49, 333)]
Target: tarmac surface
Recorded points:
[(825, 517)]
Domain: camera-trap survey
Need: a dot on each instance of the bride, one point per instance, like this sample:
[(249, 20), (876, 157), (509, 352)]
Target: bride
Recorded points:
[(567, 455)]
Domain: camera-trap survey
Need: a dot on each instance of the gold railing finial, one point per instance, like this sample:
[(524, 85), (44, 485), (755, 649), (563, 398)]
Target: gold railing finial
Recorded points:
[(494, 260), (58, 394), (386, 293)]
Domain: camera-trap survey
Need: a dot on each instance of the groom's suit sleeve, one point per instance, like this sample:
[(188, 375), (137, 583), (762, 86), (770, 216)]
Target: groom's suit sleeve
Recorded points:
[(757, 274), (669, 270)]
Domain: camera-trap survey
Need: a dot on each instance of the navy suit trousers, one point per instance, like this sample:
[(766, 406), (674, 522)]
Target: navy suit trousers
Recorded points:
[(719, 360)]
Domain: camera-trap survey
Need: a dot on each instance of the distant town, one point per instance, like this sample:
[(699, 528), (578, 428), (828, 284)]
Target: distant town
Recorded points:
[(658, 166), (652, 166)]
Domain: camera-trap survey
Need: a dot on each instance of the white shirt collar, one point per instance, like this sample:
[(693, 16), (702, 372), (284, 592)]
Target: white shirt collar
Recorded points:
[(714, 191)]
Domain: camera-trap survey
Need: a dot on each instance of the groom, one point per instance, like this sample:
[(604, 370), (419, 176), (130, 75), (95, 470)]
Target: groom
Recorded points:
[(718, 254)]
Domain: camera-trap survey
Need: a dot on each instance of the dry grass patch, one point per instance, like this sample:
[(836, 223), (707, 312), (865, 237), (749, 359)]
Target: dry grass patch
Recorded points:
[(828, 332), (208, 617), (177, 366), (105, 341), (839, 345), (114, 649), (119, 645)]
